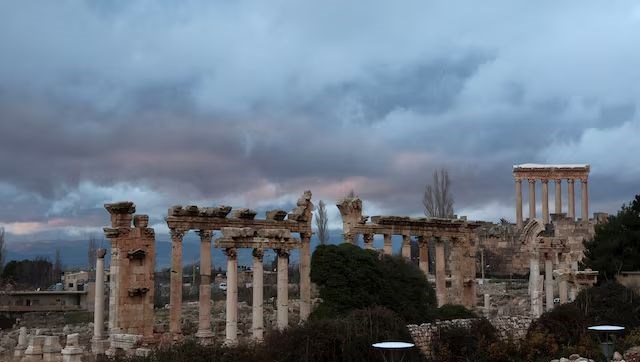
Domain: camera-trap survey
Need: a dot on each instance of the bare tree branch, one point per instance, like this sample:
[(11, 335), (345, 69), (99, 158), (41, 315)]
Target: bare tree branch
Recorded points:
[(321, 223), (437, 198)]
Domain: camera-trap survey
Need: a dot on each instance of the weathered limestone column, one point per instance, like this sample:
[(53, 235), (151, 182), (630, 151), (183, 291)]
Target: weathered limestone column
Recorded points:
[(51, 349), (22, 343), (99, 343), (532, 198), (441, 282), (368, 241), (388, 246), (34, 349), (231, 332), (204, 333), (175, 297), (571, 198), (519, 203), (585, 200), (257, 325), (558, 196), (548, 282), (406, 246), (72, 352), (545, 201), (283, 289), (423, 244), (563, 278), (534, 275), (305, 276)]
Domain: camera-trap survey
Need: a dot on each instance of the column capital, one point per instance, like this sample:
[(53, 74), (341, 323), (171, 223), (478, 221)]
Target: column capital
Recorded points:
[(368, 238), (177, 234), (531, 180), (100, 253), (205, 235), (584, 180), (258, 254), (558, 180), (305, 235), (570, 181), (544, 181), (283, 253), (518, 180), (232, 253)]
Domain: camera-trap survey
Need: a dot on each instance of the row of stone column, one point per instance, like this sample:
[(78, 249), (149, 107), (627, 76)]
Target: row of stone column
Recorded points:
[(47, 348), (204, 317), (545, 199), (466, 289)]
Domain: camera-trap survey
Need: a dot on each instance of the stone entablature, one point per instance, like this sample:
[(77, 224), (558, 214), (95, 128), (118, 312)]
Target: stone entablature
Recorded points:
[(528, 171), (459, 232)]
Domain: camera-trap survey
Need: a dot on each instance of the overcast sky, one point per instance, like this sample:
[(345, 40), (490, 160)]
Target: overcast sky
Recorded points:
[(251, 103)]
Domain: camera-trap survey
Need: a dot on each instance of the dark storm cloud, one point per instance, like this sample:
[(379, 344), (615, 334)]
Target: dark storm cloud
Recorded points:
[(247, 103)]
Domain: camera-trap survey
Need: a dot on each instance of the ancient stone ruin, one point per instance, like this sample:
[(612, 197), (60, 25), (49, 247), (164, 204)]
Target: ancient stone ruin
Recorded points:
[(425, 230)]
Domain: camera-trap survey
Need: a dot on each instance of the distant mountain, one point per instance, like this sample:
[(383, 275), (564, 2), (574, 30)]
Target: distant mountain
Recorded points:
[(74, 252)]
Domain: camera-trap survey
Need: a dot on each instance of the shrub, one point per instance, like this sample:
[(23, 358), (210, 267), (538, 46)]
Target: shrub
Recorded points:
[(477, 343), (351, 278), (454, 311), (610, 303)]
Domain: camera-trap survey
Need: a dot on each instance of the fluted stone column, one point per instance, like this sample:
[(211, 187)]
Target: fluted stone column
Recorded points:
[(532, 198), (423, 244), (231, 332), (519, 203), (545, 201), (534, 275), (99, 342), (283, 289), (175, 297), (257, 325), (305, 276), (368, 241), (204, 302), (548, 282), (558, 196), (571, 199), (406, 247), (388, 246), (585, 200), (441, 282)]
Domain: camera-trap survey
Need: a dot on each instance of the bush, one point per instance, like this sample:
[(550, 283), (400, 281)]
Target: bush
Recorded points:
[(454, 311), (351, 278), (610, 303), (477, 343)]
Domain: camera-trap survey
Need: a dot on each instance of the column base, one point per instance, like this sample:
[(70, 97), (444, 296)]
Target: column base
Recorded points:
[(99, 345), (205, 337)]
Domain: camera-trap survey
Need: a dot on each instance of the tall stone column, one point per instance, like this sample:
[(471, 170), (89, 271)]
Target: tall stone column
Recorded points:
[(368, 241), (532, 198), (388, 246), (558, 196), (257, 325), (441, 282), (534, 275), (231, 332), (571, 198), (406, 247), (305, 276), (548, 281), (423, 244), (585, 200), (545, 201), (519, 203), (283, 289), (99, 343), (563, 290), (175, 297), (204, 302)]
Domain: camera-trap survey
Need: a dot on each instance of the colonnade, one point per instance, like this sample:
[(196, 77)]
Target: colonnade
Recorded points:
[(204, 332), (462, 263), (571, 209)]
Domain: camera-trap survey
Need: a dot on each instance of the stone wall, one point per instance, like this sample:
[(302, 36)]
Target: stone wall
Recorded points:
[(507, 328)]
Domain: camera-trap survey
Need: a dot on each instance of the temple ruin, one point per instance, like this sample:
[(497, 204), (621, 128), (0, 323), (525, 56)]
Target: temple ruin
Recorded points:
[(132, 267), (458, 231)]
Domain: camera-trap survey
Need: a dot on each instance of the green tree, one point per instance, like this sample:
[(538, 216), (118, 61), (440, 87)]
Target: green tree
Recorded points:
[(352, 278), (616, 244)]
